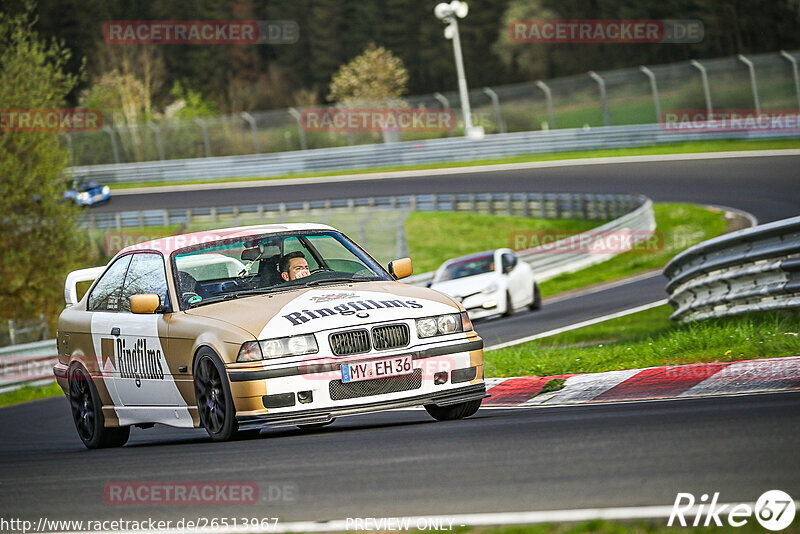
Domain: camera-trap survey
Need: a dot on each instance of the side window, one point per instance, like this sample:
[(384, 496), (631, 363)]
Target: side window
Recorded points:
[(145, 275), (293, 244), (106, 293), (509, 261)]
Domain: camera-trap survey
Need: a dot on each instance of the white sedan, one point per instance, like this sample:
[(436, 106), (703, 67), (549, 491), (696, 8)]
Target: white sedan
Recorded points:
[(489, 283)]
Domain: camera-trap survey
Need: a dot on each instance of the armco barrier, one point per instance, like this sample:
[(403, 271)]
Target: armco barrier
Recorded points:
[(752, 270), (404, 153), (28, 364)]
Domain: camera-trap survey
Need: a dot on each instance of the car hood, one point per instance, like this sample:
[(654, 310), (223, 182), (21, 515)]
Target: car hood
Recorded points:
[(462, 287), (309, 310)]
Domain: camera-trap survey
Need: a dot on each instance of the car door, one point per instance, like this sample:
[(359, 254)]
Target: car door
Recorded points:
[(516, 279), (143, 376)]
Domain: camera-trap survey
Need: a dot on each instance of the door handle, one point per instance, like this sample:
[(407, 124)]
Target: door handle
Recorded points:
[(115, 331)]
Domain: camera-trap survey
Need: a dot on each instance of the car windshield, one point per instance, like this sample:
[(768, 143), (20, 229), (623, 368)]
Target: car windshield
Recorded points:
[(467, 267), (260, 264)]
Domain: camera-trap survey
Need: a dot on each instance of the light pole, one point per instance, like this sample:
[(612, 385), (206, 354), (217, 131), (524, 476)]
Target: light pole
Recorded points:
[(450, 13)]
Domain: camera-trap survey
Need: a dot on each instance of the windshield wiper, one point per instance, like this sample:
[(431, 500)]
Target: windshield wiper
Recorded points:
[(328, 281)]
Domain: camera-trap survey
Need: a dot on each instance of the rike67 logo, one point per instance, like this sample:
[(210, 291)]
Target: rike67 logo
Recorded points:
[(774, 510)]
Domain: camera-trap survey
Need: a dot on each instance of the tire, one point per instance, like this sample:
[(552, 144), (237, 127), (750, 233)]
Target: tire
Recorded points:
[(87, 413), (313, 426), (214, 400), (454, 411), (536, 303), (509, 307)]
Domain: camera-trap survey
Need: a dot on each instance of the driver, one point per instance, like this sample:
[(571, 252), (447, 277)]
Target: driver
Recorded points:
[(293, 266)]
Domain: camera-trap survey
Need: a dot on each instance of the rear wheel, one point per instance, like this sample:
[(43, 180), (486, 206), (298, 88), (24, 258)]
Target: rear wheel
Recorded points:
[(87, 413), (454, 411), (536, 303), (214, 400)]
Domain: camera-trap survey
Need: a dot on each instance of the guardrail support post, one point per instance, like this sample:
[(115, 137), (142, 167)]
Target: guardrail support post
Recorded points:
[(706, 90), (249, 118), (753, 84), (654, 88), (159, 144), (114, 147), (793, 61), (601, 84), (206, 141), (300, 131), (548, 96), (498, 117), (445, 105)]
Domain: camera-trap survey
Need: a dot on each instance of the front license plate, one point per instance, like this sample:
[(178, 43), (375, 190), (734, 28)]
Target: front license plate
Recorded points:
[(369, 370)]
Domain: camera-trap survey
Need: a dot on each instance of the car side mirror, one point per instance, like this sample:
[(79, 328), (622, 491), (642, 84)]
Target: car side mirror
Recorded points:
[(147, 303), (401, 268)]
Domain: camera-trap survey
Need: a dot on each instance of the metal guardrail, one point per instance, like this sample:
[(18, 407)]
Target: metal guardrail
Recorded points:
[(541, 205), (404, 153), (752, 270), (30, 364)]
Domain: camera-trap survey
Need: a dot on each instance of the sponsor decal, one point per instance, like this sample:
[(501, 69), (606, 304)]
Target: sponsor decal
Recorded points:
[(138, 361), (333, 296), (358, 308)]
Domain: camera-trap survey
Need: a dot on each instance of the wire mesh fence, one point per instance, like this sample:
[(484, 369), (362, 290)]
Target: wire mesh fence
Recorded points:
[(619, 97)]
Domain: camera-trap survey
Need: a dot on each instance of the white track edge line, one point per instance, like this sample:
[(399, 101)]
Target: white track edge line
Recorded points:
[(581, 324)]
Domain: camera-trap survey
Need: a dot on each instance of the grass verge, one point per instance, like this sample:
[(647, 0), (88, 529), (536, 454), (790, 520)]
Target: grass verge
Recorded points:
[(678, 227), (678, 148), (29, 393), (648, 339), (434, 237)]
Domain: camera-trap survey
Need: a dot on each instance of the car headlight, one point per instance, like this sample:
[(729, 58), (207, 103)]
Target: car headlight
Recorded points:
[(439, 325), (106, 190), (83, 195), (491, 288), (266, 349)]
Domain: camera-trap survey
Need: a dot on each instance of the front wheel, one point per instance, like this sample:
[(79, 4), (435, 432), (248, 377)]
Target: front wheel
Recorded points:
[(214, 400), (87, 413), (454, 411), (536, 303)]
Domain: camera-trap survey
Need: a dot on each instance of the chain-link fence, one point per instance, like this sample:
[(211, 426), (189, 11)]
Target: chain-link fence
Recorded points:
[(620, 97)]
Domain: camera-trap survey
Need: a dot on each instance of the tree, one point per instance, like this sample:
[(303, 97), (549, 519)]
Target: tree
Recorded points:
[(39, 236), (375, 75)]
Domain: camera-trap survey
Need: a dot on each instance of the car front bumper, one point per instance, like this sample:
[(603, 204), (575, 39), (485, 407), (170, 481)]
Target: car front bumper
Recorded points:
[(442, 375)]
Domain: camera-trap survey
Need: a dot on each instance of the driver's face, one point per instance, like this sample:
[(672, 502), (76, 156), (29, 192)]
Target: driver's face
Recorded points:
[(298, 268)]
